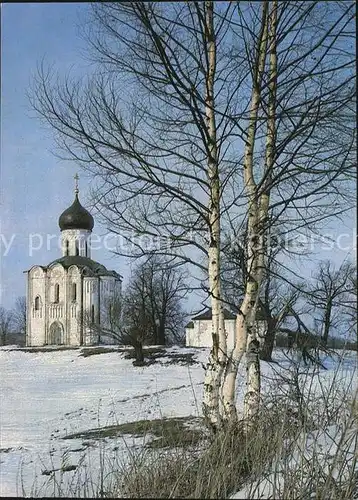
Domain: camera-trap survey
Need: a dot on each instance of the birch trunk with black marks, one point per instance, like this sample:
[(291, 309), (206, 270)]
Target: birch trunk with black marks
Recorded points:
[(245, 318), (217, 357), (252, 396)]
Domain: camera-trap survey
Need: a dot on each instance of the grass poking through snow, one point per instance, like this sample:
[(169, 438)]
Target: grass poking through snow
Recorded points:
[(168, 432)]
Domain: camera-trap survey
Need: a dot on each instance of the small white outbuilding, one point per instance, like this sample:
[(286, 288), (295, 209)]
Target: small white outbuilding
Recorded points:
[(198, 330)]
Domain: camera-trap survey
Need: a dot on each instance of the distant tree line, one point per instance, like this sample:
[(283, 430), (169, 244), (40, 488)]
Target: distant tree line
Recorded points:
[(13, 323)]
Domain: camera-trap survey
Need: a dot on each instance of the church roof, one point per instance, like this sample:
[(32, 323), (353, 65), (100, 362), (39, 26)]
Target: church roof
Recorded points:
[(85, 262), (227, 315), (208, 314), (76, 217)]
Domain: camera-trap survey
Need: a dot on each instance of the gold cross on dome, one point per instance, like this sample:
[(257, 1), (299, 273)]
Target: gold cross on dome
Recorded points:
[(76, 183)]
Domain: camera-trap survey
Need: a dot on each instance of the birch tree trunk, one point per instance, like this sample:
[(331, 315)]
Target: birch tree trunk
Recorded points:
[(217, 357), (244, 321), (252, 396)]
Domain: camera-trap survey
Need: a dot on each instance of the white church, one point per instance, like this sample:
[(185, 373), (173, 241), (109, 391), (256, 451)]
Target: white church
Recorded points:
[(65, 297)]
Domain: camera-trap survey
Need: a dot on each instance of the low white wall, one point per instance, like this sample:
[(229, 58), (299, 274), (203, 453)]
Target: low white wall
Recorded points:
[(200, 334)]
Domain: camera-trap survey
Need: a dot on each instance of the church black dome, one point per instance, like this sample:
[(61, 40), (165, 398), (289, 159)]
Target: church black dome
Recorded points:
[(76, 217)]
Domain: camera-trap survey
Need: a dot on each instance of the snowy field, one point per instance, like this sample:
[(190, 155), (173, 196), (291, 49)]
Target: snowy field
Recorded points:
[(46, 396)]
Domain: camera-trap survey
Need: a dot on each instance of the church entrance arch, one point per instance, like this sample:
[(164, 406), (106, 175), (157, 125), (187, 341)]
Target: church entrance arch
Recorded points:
[(56, 334)]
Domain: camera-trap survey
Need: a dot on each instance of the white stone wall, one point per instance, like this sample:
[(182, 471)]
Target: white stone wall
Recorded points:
[(79, 237), (90, 298), (110, 287), (57, 311), (200, 335), (36, 320), (191, 336), (73, 319), (90, 291)]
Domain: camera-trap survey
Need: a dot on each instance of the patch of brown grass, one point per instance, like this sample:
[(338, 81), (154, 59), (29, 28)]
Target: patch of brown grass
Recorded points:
[(168, 432)]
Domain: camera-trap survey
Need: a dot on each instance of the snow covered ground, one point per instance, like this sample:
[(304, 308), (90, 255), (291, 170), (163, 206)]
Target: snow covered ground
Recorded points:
[(48, 395)]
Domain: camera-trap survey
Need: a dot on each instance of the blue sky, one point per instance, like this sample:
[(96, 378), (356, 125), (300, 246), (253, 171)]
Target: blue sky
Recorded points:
[(35, 185)]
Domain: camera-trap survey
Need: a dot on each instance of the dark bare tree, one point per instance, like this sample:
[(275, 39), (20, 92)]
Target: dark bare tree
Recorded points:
[(6, 324), (150, 310), (161, 287), (276, 304), (136, 320), (327, 296), (19, 313), (304, 340)]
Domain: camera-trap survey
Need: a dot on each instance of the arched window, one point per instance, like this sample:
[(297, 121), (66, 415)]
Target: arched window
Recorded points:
[(57, 293), (37, 303), (74, 292), (92, 313), (67, 246), (77, 249), (86, 249)]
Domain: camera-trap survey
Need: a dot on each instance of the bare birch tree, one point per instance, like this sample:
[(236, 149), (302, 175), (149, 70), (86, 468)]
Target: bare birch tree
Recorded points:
[(209, 116), (257, 213), (298, 95), (279, 290), (160, 153)]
